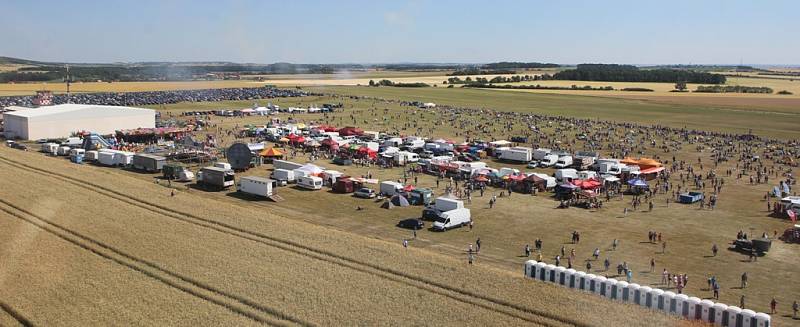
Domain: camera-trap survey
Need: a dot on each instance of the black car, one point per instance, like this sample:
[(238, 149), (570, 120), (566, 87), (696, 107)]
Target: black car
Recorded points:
[(412, 223)]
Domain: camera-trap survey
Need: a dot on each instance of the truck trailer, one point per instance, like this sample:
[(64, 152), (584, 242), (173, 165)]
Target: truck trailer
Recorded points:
[(258, 186), (148, 162), (215, 177)]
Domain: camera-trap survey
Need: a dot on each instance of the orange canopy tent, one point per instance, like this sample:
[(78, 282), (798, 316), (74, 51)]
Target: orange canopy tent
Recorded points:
[(643, 163), (271, 152)]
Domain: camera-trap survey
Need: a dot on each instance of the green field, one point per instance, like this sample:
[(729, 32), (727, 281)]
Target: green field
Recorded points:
[(768, 122)]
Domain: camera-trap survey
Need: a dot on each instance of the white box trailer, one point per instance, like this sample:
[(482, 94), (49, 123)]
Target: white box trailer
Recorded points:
[(516, 154), (258, 186), (565, 175), (283, 175), (310, 182), (215, 177), (447, 204), (148, 162), (390, 188), (539, 153)]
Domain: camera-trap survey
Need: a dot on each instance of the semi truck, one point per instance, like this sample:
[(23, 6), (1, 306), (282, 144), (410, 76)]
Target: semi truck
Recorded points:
[(148, 162)]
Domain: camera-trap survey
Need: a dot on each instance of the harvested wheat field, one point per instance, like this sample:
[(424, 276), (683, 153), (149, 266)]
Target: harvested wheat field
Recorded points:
[(96, 247)]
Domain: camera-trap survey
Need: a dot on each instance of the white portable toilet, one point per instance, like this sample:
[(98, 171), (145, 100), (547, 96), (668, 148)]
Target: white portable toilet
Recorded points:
[(541, 271), (730, 316), (634, 292), (656, 302), (549, 273), (706, 314), (717, 310), (529, 268), (560, 275), (762, 320), (590, 283), (621, 288), (748, 317), (570, 276), (600, 285), (580, 280), (611, 288), (670, 304), (682, 305), (644, 295), (695, 310)]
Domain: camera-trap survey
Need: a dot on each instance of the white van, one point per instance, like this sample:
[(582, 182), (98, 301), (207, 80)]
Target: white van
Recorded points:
[(310, 182), (452, 219), (564, 162), (548, 160)]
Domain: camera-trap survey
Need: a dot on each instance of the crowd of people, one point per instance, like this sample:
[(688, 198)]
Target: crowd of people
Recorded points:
[(159, 97)]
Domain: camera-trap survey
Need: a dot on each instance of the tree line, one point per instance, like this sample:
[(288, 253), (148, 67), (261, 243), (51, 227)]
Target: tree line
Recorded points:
[(733, 89), (629, 73), (386, 82)]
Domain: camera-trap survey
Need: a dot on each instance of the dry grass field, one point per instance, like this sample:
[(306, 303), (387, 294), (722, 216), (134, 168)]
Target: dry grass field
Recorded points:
[(113, 247), (690, 231)]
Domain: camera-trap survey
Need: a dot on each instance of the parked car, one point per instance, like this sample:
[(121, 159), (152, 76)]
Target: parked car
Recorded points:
[(533, 164), (366, 193), (411, 223), (20, 146)]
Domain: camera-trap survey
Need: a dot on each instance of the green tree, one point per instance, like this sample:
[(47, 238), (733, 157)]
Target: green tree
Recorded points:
[(680, 86)]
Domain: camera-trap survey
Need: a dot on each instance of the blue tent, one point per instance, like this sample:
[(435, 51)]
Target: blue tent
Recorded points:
[(637, 183)]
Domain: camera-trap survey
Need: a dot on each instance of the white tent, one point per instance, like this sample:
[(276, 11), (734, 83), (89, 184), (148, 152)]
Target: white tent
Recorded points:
[(62, 120)]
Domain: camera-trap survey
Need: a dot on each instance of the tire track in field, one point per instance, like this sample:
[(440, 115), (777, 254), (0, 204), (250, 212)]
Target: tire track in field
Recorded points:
[(500, 306), (242, 306), (15, 314)]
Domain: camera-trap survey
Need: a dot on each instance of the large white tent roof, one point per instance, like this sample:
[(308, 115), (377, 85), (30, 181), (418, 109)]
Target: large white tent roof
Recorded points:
[(77, 111)]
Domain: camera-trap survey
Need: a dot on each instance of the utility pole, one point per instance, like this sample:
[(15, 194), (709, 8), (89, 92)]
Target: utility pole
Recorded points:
[(68, 80)]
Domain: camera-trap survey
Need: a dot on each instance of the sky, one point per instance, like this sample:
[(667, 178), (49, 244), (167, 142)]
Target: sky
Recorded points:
[(384, 31)]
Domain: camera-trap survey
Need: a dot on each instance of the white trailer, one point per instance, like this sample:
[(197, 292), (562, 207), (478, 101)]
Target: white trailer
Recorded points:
[(63, 150), (50, 148), (310, 182), (517, 154), (540, 153), (283, 175), (283, 164), (258, 186), (447, 204), (390, 188), (565, 175)]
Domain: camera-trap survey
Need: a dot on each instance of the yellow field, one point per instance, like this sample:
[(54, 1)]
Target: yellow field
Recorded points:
[(115, 249)]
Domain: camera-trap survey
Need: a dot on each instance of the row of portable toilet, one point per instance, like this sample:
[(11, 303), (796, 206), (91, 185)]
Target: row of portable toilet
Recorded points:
[(677, 304)]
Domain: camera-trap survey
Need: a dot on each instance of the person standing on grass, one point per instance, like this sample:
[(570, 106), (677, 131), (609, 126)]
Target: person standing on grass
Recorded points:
[(744, 280), (716, 290), (614, 244), (470, 257), (664, 276), (714, 250), (606, 264), (741, 302), (663, 247), (588, 266), (629, 275), (773, 306), (596, 253), (652, 264), (795, 307), (405, 244), (527, 250), (478, 244)]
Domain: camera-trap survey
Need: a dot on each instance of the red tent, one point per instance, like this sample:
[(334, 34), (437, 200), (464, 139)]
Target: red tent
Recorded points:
[(326, 128), (408, 188), (517, 178), (587, 184), (292, 137), (481, 178), (299, 139), (329, 142), (351, 131)]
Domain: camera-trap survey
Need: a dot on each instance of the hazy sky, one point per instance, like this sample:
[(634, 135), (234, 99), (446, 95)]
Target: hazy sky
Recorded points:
[(341, 31)]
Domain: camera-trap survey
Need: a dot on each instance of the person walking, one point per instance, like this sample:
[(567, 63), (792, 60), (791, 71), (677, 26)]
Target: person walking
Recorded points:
[(714, 249), (470, 257), (588, 266), (652, 264), (773, 306), (606, 264), (664, 276), (478, 245), (664, 247), (741, 302), (527, 250), (716, 290), (614, 244), (744, 280), (596, 253), (629, 275)]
